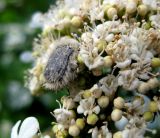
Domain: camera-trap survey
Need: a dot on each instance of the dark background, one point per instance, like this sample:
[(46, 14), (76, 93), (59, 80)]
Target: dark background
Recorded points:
[(16, 37)]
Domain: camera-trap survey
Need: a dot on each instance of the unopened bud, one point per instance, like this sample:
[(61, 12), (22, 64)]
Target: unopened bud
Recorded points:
[(116, 115), (153, 107), (92, 119), (74, 130), (80, 123), (119, 102), (103, 101)]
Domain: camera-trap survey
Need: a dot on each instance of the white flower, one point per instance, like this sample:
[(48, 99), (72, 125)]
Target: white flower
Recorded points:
[(36, 20), (128, 80), (155, 20), (90, 55), (151, 3), (136, 128), (87, 106), (103, 132), (28, 128), (108, 85), (63, 117)]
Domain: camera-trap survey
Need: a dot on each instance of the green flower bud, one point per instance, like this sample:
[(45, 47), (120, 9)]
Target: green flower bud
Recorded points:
[(155, 62), (147, 26), (92, 119), (148, 116), (153, 107), (80, 123), (117, 134), (87, 94)]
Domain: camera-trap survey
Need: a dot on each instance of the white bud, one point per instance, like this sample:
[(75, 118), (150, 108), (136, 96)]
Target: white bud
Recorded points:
[(108, 61), (142, 10), (119, 102), (116, 115), (109, 37), (131, 7), (74, 130), (111, 13)]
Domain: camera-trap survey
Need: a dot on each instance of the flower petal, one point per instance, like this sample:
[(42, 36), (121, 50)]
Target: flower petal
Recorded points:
[(29, 128), (80, 109), (14, 131)]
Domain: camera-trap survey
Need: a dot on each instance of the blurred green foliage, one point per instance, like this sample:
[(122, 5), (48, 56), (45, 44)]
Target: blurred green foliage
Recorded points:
[(16, 102)]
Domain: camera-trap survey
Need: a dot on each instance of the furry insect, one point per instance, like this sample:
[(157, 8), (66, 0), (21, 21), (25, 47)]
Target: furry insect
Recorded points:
[(61, 67)]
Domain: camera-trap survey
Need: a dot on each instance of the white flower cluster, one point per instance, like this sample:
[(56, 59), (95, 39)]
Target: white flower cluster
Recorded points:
[(102, 50)]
